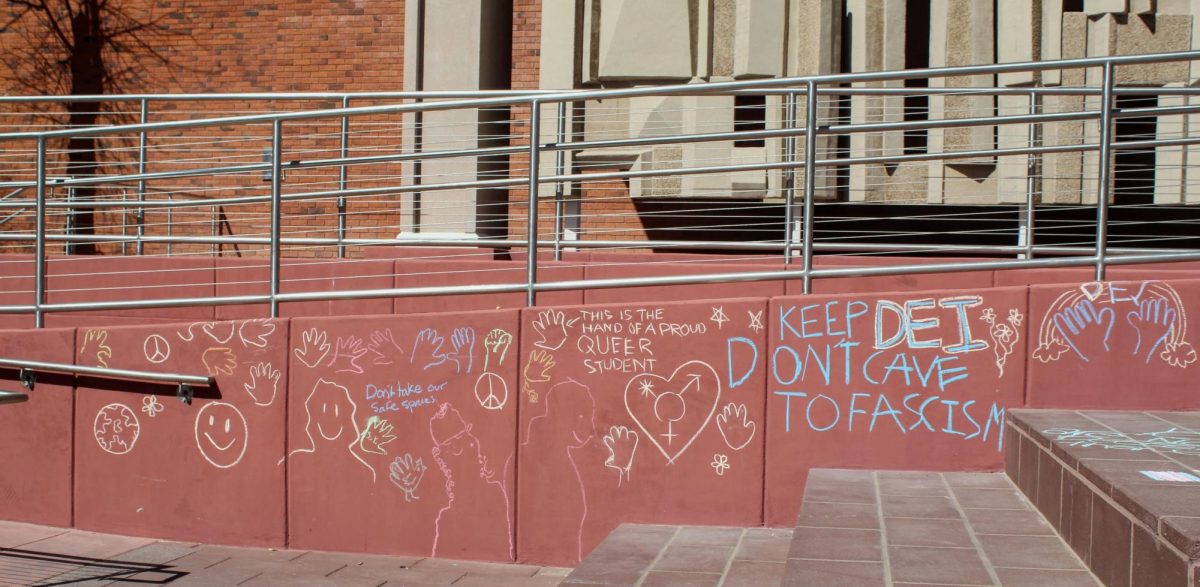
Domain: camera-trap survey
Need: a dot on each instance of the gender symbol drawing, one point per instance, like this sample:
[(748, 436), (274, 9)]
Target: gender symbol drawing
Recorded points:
[(672, 411), (1082, 321), (406, 473), (156, 349), (116, 428), (621, 443), (459, 457), (735, 426), (491, 391), (221, 434)]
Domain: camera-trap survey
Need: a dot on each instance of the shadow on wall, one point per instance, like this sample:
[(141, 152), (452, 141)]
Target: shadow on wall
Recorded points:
[(530, 434)]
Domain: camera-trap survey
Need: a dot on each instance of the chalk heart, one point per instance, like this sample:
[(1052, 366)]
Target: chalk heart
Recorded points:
[(673, 411)]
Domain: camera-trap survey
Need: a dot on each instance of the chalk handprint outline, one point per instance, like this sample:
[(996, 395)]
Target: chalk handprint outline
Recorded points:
[(735, 426), (263, 384), (621, 443), (406, 473), (551, 327), (427, 349), (314, 346)]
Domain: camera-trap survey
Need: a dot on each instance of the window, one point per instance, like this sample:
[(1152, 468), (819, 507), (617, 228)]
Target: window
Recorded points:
[(749, 114), (916, 56)]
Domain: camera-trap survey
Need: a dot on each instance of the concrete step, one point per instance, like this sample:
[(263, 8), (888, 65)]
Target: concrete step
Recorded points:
[(902, 528), (1123, 488), (649, 555)]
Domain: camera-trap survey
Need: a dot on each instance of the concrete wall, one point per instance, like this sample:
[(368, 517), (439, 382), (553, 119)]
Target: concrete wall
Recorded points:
[(529, 435)]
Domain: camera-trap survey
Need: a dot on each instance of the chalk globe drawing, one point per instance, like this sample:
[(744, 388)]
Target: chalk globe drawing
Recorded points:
[(117, 428)]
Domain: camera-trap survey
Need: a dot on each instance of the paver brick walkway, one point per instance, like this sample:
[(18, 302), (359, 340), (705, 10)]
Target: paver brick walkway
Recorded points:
[(40, 555)]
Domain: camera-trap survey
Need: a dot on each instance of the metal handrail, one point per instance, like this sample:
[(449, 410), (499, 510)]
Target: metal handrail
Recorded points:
[(801, 214), (184, 390)]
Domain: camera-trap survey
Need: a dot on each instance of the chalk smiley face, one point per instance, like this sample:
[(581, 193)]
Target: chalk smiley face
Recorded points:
[(221, 434), (330, 409)]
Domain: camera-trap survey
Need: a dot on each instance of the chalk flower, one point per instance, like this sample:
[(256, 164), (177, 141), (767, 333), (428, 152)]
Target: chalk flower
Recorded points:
[(989, 315), (1179, 355), (1050, 350)]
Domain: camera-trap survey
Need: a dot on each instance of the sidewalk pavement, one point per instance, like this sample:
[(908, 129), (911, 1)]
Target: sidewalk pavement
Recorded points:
[(41, 555)]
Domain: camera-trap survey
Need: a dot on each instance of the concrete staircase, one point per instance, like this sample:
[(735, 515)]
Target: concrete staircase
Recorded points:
[(1087, 499)]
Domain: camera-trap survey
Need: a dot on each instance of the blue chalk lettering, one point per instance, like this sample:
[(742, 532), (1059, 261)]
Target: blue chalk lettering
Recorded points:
[(1113, 290), (784, 325), (880, 306), (949, 429), (787, 407), (920, 412), (729, 360), (899, 363), (846, 345), (927, 374), (867, 366), (830, 319), (837, 413), (890, 411), (996, 415), (851, 315), (805, 321), (775, 365), (960, 305), (852, 411), (824, 367), (967, 412), (913, 325), (948, 376)]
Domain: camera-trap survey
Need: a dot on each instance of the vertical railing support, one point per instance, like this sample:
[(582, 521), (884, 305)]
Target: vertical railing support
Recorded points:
[(276, 211), (143, 116), (1027, 221), (39, 266), (560, 163), (789, 176), (810, 182), (535, 128), (1102, 192), (342, 182), (212, 230)]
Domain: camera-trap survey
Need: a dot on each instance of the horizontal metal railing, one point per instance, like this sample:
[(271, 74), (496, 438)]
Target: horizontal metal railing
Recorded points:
[(798, 201), (28, 368)]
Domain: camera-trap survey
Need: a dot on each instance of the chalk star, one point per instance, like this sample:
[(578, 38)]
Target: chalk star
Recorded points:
[(756, 320), (718, 316), (646, 387)]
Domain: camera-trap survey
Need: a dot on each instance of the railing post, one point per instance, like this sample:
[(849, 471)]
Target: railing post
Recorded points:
[(535, 127), (143, 116), (1030, 171), (39, 266), (341, 201), (789, 176), (276, 210), (1106, 123), (810, 182), (560, 163), (212, 230)]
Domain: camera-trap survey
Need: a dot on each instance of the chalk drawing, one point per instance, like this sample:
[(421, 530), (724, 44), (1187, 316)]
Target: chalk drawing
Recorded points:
[(406, 473), (551, 327), (346, 353), (218, 332), (1005, 334), (383, 347), (1173, 476), (496, 345), (459, 456), (621, 443), (537, 370), (221, 434), (95, 345), (314, 346), (720, 463), (674, 410), (756, 320), (116, 428), (1178, 441), (735, 426), (427, 349), (718, 316), (151, 405), (219, 361), (462, 354), (376, 434), (491, 391), (1081, 322), (567, 425), (329, 414), (156, 348), (256, 332), (263, 384)]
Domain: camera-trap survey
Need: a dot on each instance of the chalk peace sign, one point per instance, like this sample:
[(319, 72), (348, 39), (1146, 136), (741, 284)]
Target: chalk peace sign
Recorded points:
[(156, 348), (491, 391)]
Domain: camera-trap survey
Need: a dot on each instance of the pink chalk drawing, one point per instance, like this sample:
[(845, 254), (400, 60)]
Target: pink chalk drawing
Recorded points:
[(566, 426), (458, 455)]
